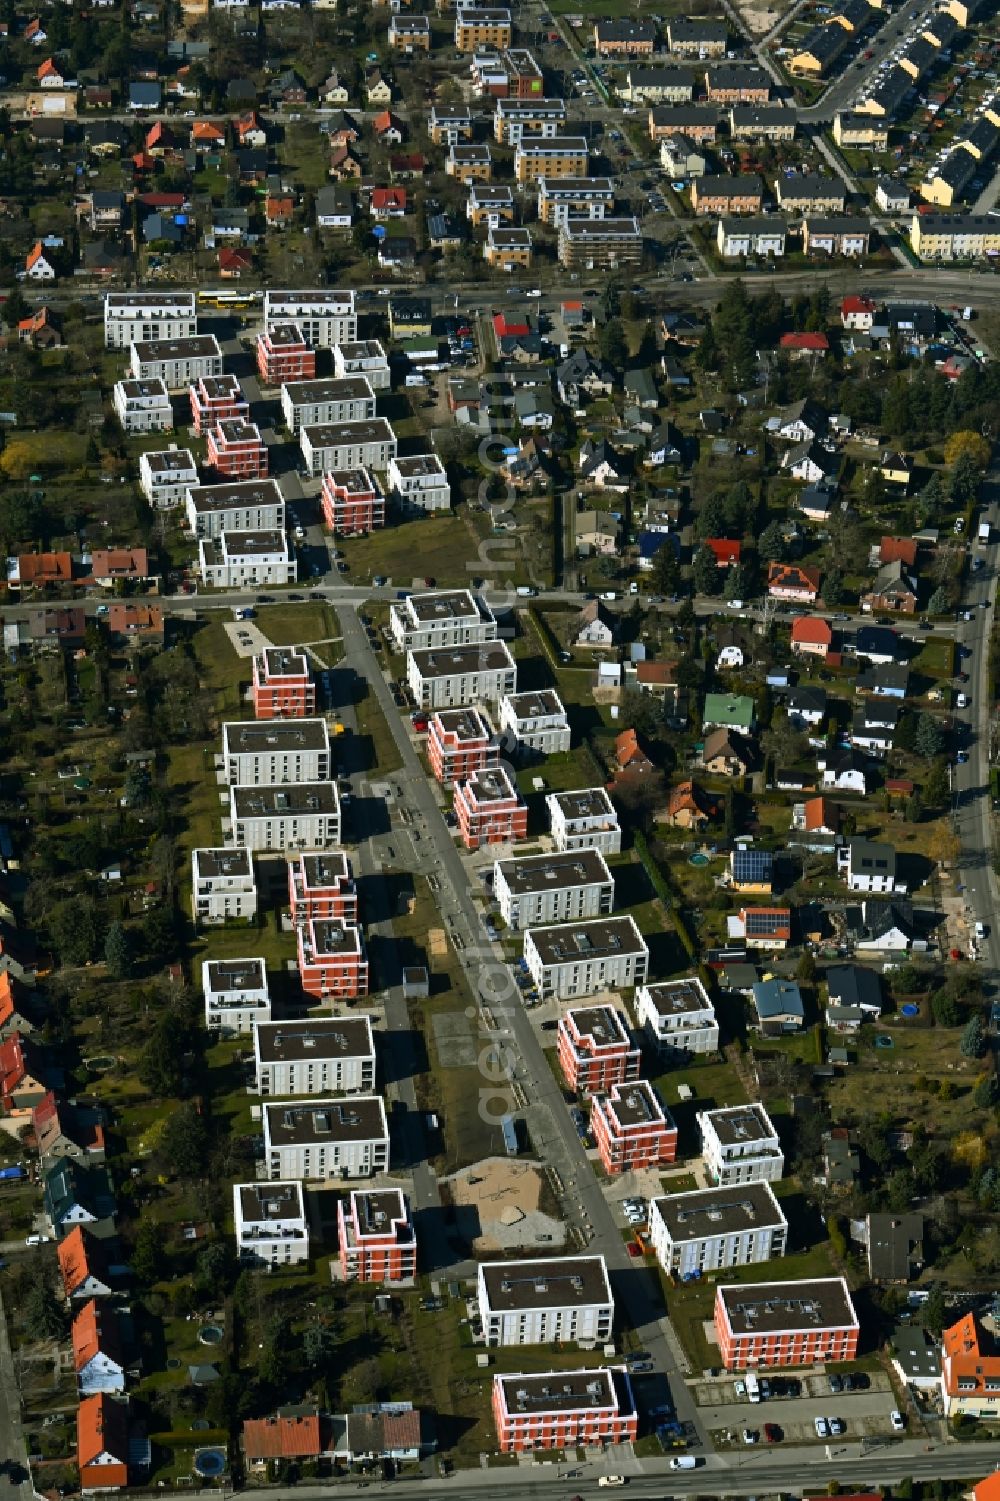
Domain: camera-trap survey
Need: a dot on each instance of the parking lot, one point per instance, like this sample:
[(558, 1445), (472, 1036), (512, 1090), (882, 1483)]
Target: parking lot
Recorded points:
[(864, 1414)]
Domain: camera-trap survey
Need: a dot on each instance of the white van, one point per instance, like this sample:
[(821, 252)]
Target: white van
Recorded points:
[(753, 1387), (684, 1462)]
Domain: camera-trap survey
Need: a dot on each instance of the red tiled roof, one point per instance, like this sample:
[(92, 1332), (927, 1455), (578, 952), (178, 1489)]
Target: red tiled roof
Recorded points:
[(812, 630), (857, 304), (389, 198), (207, 130), (75, 1255), (45, 568), (898, 550), (509, 328), (285, 1436), (234, 260), (988, 1489), (792, 576), (95, 1331), (821, 814), (726, 552), (102, 1428), (656, 672), (120, 563), (48, 69), (813, 342)]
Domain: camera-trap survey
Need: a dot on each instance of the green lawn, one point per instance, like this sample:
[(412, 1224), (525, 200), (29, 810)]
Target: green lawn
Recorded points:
[(294, 624), (437, 546), (936, 658)]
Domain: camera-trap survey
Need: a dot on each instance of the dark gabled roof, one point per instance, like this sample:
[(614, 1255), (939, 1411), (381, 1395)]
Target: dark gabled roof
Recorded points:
[(852, 985), (806, 699), (878, 639)]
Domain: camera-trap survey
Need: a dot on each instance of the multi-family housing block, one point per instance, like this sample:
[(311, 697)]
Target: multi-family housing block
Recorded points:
[(458, 676), (489, 809), (564, 198), (352, 501), (236, 993), (332, 961), (236, 449), (514, 119), (166, 475), (376, 1238), (460, 744), (235, 506), (453, 617), (214, 399), (418, 482), (284, 354), (367, 444), (272, 1228), (316, 1056), (325, 1138), (535, 723), (325, 318), (322, 884), (632, 1128), (223, 885), (303, 815), (584, 819), (587, 244), (479, 27), (563, 886), (740, 1145), (595, 1049), (713, 1228), (540, 1302), (282, 685), (578, 959), (143, 406), (312, 403), (560, 1410), (678, 1016), (785, 1323), (362, 358), (177, 362), (551, 157), (256, 753), (137, 317)]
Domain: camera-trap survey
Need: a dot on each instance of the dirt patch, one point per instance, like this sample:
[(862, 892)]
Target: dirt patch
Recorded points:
[(507, 1197), (759, 22), (437, 942)]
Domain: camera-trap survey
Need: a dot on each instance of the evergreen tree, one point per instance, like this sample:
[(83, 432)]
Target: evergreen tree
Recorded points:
[(705, 572), (118, 952), (938, 602), (771, 543), (973, 1043), (928, 739), (963, 486)]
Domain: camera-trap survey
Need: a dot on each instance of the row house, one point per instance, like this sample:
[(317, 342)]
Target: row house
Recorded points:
[(599, 244), (535, 724), (325, 1139), (810, 193), (469, 164), (312, 403), (461, 743), (282, 686), (698, 122), (138, 317), (83, 1266), (284, 354), (480, 27), (838, 234), (632, 1129), (223, 886), (236, 994), (216, 399), (508, 249), (537, 890), (579, 959), (687, 37), (236, 449), (715, 1228), (143, 406), (955, 236), (562, 1410), (262, 753), (456, 677), (785, 1323), (762, 122), (738, 83), (369, 444), (574, 197), (723, 194), (166, 475), (678, 1017), (353, 504), (554, 157), (489, 205), (98, 1348), (624, 38), (444, 617), (861, 132), (303, 815), (739, 1144), (325, 318), (322, 884), (764, 236), (271, 1225), (514, 119), (595, 1049), (584, 818), (362, 359), (316, 1056), (489, 809), (567, 1300), (176, 362), (672, 85), (376, 1238), (103, 1444), (332, 960)]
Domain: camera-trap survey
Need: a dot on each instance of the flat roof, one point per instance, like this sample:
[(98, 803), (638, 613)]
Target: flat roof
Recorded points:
[(373, 1211), (318, 1037), (773, 1307), (735, 1125), (330, 935), (318, 1122), (238, 430), (419, 465), (195, 347), (553, 146), (364, 430), (311, 298), (171, 461), (602, 229), (541, 704), (247, 544), (325, 869), (264, 1202), (285, 335), (211, 863), (636, 1104), (443, 605), (585, 802), (565, 1282), (233, 494), (314, 392), (362, 349), (554, 872), (149, 299), (603, 938), (600, 1025), (573, 187), (466, 725), (450, 661), (491, 785), (249, 737), (567, 1391), (139, 390), (294, 798), (678, 997), (219, 387), (235, 974), (285, 662), (719, 1211)]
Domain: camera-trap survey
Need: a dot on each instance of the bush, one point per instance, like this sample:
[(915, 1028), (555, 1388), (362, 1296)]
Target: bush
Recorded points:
[(948, 1011)]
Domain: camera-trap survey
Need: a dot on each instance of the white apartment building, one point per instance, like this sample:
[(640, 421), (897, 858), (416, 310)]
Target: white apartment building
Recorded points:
[(321, 1055), (740, 1145), (459, 676), (143, 406), (179, 363), (223, 885), (299, 816), (365, 357), (166, 475), (714, 1228), (419, 482), (584, 819), (135, 317), (325, 318), (535, 119), (347, 445), (678, 1016), (271, 1224), (448, 617), (265, 752), (326, 1139), (537, 890), (536, 723), (577, 959), (311, 403), (563, 198), (540, 1301), (245, 505), (236, 994), (246, 560)]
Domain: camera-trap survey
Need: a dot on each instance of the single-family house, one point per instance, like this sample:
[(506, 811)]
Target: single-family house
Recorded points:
[(779, 1008), (893, 589), (811, 636), (688, 807), (728, 753), (793, 581), (595, 626)]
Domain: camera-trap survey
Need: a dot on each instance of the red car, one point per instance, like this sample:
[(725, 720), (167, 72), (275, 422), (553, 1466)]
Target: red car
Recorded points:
[(633, 1248), (772, 1433)]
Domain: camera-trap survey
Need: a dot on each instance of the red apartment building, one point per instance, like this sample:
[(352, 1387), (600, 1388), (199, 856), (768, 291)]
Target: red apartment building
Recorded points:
[(321, 885), (460, 743), (333, 963), (564, 1410), (284, 355), (283, 687), (785, 1323), (489, 810), (632, 1129), (352, 502), (214, 399), (236, 449), (595, 1050), (376, 1237)]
